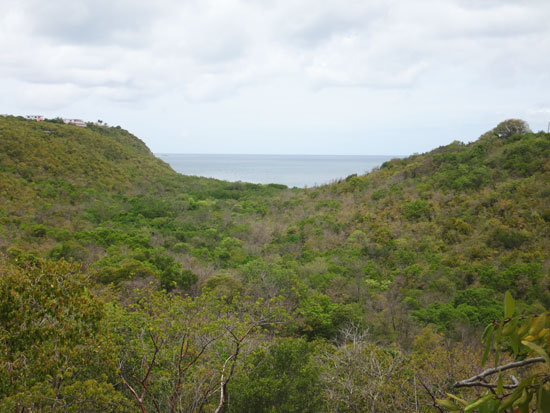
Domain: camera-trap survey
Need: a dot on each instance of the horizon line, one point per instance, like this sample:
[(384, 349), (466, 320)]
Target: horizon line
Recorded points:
[(275, 154)]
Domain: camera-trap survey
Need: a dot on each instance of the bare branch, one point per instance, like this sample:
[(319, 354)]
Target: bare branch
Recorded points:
[(145, 379), (184, 347), (434, 401), (155, 403), (223, 385), (480, 383), (197, 356), (489, 372), (134, 393), (233, 358), (152, 363)]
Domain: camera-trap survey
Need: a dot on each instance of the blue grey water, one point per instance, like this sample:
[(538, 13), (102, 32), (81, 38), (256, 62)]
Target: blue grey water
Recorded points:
[(291, 170)]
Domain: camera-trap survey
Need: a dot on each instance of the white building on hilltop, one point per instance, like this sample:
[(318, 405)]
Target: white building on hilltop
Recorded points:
[(76, 122), (38, 118)]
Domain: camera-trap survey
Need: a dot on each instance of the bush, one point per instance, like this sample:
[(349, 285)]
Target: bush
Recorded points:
[(323, 318), (506, 238), (282, 378), (417, 210), (69, 250), (172, 277), (128, 270)]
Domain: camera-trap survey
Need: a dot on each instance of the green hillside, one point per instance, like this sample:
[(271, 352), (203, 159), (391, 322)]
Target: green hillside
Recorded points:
[(127, 286), (70, 158)]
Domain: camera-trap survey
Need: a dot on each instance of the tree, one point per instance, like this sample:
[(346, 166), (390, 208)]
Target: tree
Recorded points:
[(179, 353), (358, 376), (280, 378), (55, 350), (511, 127)]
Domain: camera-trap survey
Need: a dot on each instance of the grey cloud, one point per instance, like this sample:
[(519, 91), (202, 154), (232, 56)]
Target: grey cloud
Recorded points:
[(308, 24), (89, 22), (316, 30)]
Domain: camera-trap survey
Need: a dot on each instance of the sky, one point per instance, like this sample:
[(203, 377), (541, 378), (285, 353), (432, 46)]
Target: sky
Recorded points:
[(369, 77)]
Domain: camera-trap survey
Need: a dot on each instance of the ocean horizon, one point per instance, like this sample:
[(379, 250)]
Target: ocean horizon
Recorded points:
[(290, 170)]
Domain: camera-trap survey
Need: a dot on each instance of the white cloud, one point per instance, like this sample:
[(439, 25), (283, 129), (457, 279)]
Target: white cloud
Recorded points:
[(48, 96)]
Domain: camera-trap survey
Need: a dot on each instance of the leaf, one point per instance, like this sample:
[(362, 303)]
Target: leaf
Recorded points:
[(496, 343), (508, 402), (488, 344), (537, 349), (514, 343), (458, 399), (537, 324), (516, 394), (448, 404), (510, 327), (509, 305), (499, 383), (523, 401), (543, 399), (478, 403), (488, 330), (523, 328), (490, 407)]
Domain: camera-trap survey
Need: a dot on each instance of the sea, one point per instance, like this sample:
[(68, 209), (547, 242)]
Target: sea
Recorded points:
[(291, 170)]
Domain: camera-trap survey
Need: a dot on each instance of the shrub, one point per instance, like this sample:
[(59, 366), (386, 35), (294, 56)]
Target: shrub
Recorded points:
[(283, 377), (507, 238), (172, 277), (417, 210)]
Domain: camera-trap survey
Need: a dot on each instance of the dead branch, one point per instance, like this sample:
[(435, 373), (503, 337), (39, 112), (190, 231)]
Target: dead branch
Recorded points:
[(480, 383), (434, 401), (481, 376), (233, 357)]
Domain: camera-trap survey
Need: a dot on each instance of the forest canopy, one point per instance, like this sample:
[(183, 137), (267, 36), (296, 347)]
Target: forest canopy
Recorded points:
[(125, 286)]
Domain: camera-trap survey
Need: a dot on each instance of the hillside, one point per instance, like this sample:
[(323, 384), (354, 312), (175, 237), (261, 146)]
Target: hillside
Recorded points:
[(97, 158), (56, 179), (349, 291), (432, 225)]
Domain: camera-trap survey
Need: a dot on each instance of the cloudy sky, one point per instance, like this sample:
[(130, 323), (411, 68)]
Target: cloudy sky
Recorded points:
[(290, 76)]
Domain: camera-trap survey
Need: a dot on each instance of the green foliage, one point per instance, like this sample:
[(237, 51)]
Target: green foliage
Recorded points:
[(417, 210), (149, 207), (324, 318), (128, 269), (474, 306), (283, 377), (178, 348), (69, 250), (506, 238), (527, 338), (223, 285), (77, 397), (51, 338), (172, 277)]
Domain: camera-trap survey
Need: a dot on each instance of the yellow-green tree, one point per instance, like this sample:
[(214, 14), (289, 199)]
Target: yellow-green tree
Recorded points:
[(55, 353)]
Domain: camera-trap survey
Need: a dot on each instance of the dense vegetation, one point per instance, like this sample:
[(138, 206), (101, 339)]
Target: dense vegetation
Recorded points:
[(127, 286)]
